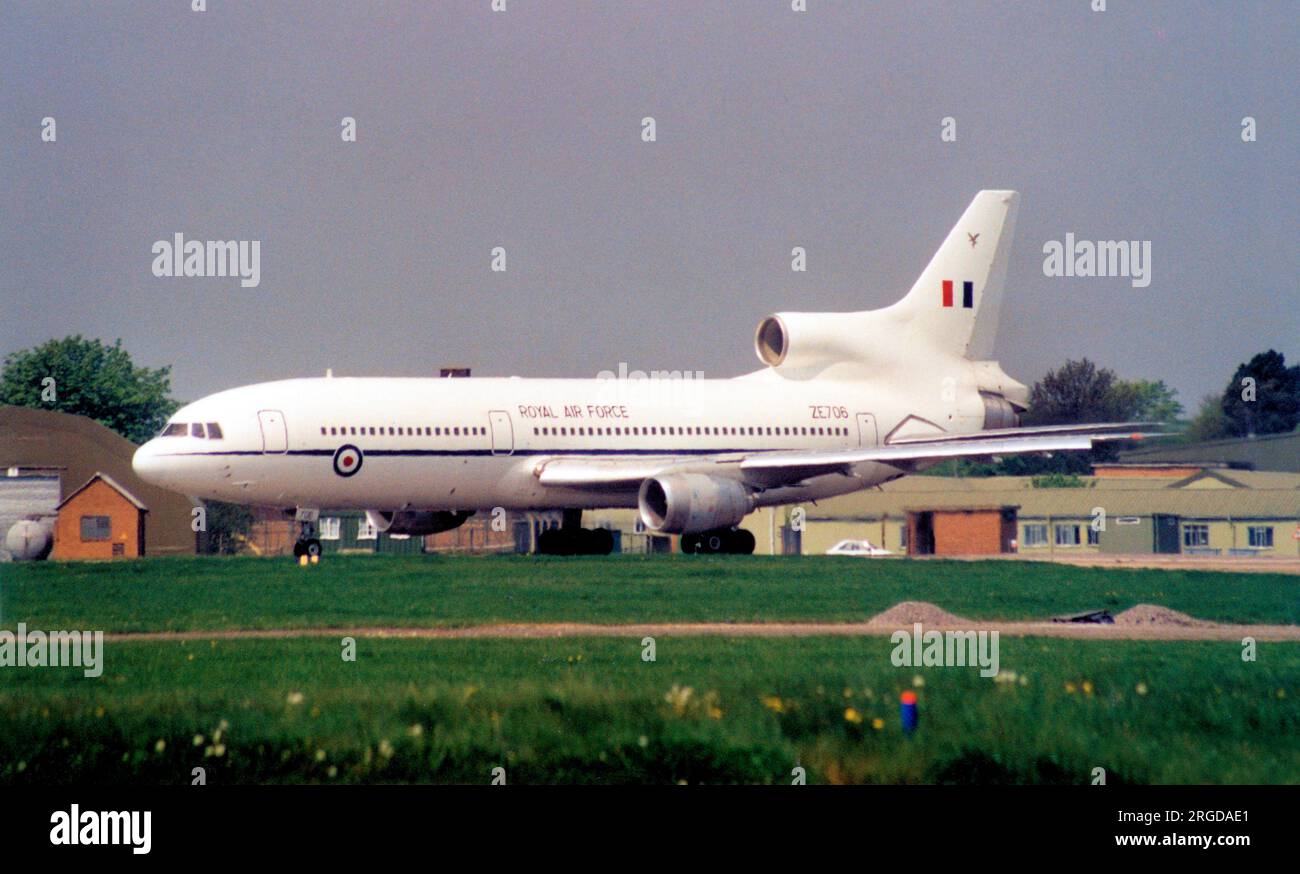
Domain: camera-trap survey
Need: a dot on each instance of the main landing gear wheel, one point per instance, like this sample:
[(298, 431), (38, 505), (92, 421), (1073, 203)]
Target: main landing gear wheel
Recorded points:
[(733, 541), (581, 541)]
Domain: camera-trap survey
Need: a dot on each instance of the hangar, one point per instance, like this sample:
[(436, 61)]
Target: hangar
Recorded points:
[(47, 456)]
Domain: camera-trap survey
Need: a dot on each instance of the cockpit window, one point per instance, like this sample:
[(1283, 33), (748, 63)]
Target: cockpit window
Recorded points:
[(196, 430), (214, 431), (175, 429)]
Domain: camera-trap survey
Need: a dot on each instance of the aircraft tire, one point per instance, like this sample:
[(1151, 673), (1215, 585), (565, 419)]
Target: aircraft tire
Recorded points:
[(742, 542), (599, 541)]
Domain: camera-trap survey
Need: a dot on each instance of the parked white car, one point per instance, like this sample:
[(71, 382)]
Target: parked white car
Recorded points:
[(862, 548)]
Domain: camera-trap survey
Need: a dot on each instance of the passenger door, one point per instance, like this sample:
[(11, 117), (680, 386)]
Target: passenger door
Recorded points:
[(275, 436), (867, 430), (503, 432)]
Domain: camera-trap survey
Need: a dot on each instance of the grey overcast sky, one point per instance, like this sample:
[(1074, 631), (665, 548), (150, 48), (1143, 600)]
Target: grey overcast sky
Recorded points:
[(522, 129)]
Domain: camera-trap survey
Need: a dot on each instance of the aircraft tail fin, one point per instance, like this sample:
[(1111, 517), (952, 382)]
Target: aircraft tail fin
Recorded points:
[(956, 302)]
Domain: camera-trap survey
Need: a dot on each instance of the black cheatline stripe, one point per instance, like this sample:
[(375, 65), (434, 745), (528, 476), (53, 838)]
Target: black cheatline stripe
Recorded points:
[(329, 453)]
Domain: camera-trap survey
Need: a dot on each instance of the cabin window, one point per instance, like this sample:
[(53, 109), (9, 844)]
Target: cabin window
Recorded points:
[(214, 431), (196, 430)]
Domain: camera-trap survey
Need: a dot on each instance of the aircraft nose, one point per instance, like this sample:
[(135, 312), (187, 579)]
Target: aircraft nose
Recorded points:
[(148, 464)]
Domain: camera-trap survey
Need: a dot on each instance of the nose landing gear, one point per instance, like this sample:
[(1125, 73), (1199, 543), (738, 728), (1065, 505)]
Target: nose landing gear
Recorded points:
[(309, 547), (308, 542)]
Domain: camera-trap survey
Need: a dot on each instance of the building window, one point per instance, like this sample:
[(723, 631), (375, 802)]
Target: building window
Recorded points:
[(329, 529), (1067, 535), (902, 537), (366, 531), (1094, 536), (95, 528), (1035, 535), (1260, 536), (1196, 535)]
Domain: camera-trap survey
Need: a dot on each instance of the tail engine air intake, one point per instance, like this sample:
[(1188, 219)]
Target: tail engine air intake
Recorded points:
[(688, 503)]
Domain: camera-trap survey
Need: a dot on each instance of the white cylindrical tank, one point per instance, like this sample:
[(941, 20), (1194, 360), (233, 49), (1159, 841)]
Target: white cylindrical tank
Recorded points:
[(29, 539)]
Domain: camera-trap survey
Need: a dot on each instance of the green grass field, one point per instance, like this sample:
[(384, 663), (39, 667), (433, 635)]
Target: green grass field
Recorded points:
[(350, 591), (592, 711), (707, 710)]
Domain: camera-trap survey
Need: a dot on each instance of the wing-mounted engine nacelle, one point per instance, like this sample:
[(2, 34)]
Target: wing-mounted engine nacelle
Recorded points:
[(417, 522), (689, 503)]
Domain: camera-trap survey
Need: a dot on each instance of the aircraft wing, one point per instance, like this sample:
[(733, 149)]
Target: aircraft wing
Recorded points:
[(770, 469), (600, 473), (783, 467)]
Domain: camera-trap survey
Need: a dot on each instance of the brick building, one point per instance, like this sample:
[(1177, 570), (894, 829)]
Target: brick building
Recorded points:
[(100, 520), (962, 531)]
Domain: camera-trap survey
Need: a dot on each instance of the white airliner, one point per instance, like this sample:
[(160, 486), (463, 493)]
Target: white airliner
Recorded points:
[(845, 401)]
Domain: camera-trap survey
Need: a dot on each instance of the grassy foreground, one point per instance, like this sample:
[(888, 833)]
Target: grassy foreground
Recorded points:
[(217, 593), (706, 711)]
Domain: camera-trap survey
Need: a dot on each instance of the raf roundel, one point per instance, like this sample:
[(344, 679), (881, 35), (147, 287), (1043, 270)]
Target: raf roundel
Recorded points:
[(347, 460)]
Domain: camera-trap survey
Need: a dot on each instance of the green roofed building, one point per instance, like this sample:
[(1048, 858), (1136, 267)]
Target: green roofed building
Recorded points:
[(351, 532), (1209, 512)]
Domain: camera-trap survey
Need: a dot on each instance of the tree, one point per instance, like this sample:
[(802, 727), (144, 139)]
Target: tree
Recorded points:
[(1149, 401), (1077, 393), (89, 378), (1209, 423), (1263, 397)]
